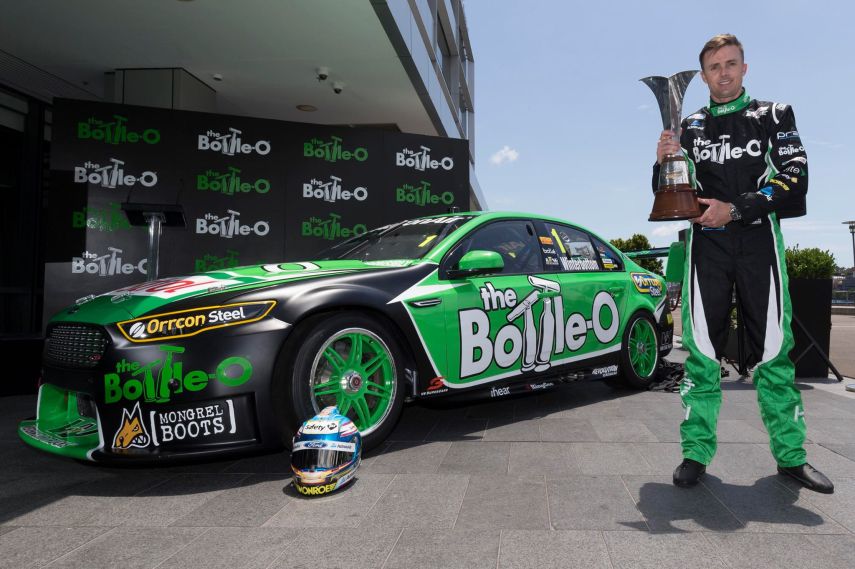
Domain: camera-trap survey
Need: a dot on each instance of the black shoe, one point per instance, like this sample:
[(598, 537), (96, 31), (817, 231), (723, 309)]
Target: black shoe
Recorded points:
[(809, 477), (688, 473)]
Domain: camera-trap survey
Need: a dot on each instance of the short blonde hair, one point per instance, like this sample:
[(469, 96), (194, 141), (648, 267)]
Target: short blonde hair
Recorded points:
[(718, 42)]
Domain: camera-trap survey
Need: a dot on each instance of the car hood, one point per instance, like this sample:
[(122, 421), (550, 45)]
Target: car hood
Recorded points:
[(139, 299)]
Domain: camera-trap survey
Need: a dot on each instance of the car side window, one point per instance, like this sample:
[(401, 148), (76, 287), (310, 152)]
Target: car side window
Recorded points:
[(609, 258), (513, 239), (574, 247)]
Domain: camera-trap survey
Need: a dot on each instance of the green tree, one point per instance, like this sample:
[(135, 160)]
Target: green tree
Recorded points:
[(639, 242)]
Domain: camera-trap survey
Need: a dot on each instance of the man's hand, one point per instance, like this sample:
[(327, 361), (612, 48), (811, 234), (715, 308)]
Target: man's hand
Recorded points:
[(667, 145), (716, 215)]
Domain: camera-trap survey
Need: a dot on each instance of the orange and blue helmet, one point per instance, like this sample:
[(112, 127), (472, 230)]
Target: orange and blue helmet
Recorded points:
[(326, 453)]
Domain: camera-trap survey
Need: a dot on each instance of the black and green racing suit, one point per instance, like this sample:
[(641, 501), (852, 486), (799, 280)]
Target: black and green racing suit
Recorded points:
[(748, 153)]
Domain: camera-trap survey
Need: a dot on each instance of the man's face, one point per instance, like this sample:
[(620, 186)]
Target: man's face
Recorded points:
[(723, 72)]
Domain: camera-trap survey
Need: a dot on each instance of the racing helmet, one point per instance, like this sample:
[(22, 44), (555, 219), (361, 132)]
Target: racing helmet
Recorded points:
[(325, 453)]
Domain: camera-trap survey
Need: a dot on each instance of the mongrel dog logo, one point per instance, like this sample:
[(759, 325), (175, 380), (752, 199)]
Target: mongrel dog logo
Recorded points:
[(533, 347), (330, 229), (229, 183), (722, 151), (332, 191), (422, 195), (229, 226), (231, 143), (112, 175), (110, 218), (158, 380), (115, 131), (131, 431), (209, 262), (333, 150), (421, 160), (107, 265), (647, 284)]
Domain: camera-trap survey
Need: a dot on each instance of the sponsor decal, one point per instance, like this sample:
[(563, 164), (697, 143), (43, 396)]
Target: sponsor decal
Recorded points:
[(421, 195), (799, 159), (552, 261), (229, 182), (316, 490), (107, 265), (767, 192), (799, 413), (131, 432), (81, 427), (606, 371), (433, 220), (435, 387), (579, 264), (533, 346), (41, 436), (787, 135), (110, 218), (545, 240), (115, 131), (421, 160), (192, 423), (540, 386), (647, 284), (780, 184), (231, 143), (697, 124), (186, 323), (230, 226), (209, 262), (112, 175), (500, 391), (723, 150), (167, 288), (695, 116), (330, 229), (320, 427), (332, 192), (760, 112), (157, 380), (789, 150), (324, 444), (549, 250), (333, 150)]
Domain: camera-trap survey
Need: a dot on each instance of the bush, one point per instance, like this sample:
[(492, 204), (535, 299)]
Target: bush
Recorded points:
[(810, 263), (639, 242)]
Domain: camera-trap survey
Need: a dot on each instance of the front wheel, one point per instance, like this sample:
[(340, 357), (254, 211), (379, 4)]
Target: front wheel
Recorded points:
[(350, 360), (639, 352)]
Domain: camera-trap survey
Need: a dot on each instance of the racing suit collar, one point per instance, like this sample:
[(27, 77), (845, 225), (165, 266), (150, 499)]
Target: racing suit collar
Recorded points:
[(739, 103)]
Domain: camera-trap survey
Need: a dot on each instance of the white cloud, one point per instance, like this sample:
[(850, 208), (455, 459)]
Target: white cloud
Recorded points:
[(505, 154), (642, 107), (668, 228)]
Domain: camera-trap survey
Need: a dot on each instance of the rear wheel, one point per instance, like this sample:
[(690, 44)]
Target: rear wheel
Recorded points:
[(640, 351), (349, 360)]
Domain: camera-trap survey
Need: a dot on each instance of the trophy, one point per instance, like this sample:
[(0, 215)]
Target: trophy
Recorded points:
[(674, 198)]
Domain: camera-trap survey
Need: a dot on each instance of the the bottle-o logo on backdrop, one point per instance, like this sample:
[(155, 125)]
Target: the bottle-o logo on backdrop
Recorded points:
[(231, 143), (115, 131), (112, 175), (106, 265), (332, 191), (230, 225), (422, 160), (333, 150), (230, 182), (421, 195), (330, 229)]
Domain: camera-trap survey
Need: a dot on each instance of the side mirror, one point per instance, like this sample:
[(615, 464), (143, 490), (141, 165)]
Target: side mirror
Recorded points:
[(476, 263)]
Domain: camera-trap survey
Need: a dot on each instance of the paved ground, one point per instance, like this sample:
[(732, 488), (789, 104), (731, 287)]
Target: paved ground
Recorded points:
[(580, 477)]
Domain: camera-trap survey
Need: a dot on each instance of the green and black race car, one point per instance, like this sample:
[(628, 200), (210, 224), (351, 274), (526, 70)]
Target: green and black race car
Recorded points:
[(463, 305)]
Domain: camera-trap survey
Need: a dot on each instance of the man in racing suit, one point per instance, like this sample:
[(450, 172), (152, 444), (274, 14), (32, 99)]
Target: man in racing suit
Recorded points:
[(749, 167)]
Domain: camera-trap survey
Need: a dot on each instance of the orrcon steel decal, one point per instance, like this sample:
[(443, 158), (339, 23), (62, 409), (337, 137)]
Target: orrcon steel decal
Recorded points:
[(185, 323)]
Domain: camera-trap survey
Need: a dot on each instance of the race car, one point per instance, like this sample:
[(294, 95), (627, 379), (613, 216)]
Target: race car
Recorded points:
[(464, 305)]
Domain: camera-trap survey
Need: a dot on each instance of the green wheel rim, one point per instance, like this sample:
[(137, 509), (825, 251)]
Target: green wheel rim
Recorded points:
[(643, 350), (354, 370)]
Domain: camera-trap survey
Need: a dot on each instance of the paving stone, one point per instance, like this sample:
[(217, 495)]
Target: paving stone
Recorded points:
[(839, 506), (667, 508), (547, 459), (129, 548), (476, 458), (830, 430), (458, 430), (492, 409), (254, 501), (457, 549), (765, 505), (408, 458), (278, 462), (567, 430), (773, 551), (33, 547), (527, 549), (742, 460), (419, 500), (592, 502), (622, 430), (843, 449), (20, 495), (512, 430), (610, 458), (665, 430), (663, 458), (348, 548), (414, 425), (345, 508), (504, 502), (640, 550), (227, 548), (739, 431), (830, 462)]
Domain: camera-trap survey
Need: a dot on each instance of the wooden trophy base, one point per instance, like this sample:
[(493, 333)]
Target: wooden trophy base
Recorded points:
[(675, 203)]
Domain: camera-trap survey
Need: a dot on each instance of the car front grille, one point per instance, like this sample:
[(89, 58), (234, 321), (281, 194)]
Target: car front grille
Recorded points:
[(75, 345)]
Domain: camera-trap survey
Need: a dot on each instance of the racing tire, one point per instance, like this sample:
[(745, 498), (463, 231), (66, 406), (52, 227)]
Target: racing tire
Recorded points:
[(639, 353), (348, 359)]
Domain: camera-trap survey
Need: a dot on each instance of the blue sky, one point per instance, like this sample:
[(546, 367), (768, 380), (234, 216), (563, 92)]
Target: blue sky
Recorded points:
[(564, 127)]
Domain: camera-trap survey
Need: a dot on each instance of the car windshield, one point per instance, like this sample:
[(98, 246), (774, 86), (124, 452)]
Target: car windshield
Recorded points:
[(411, 239)]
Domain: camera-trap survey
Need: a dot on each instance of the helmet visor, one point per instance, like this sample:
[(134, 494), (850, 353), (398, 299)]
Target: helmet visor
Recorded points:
[(321, 459)]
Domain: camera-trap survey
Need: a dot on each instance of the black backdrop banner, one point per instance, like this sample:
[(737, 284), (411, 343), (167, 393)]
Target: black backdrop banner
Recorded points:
[(253, 190)]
